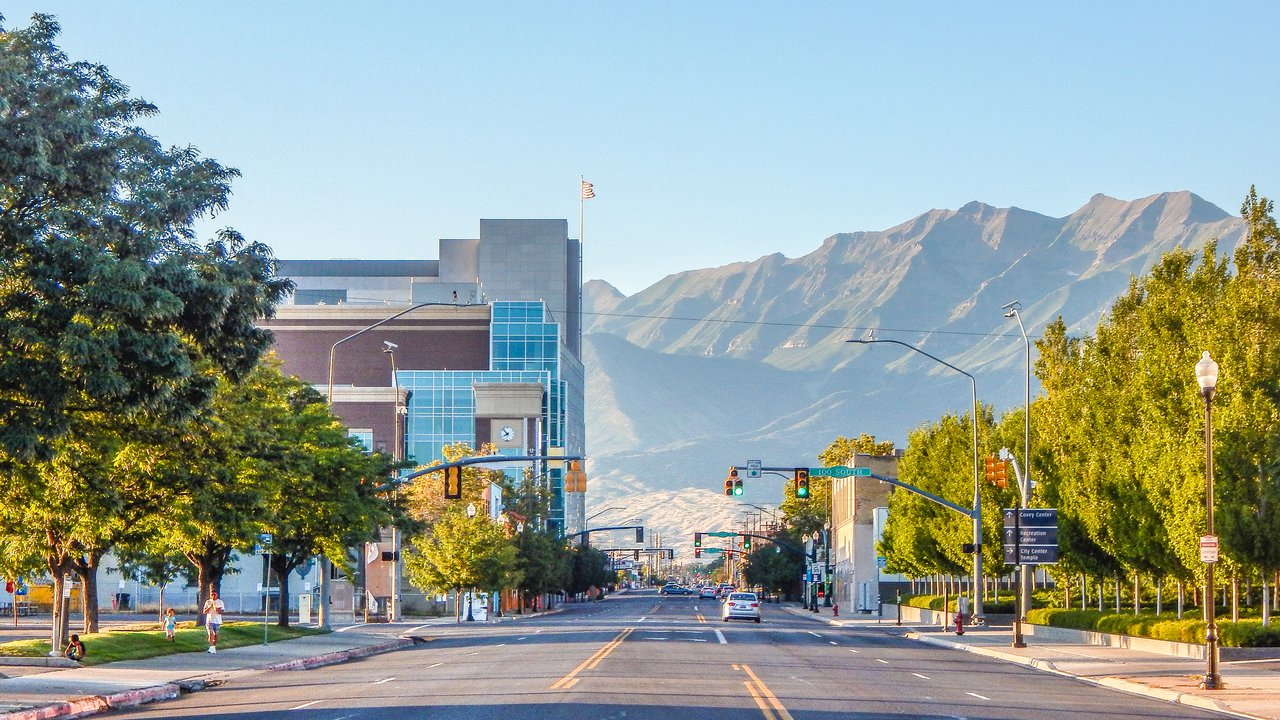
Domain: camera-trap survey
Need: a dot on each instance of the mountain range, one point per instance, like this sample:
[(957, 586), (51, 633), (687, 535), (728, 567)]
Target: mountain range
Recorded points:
[(713, 367)]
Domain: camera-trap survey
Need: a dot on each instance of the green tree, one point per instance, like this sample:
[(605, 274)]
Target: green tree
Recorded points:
[(814, 513), (460, 552), (106, 304)]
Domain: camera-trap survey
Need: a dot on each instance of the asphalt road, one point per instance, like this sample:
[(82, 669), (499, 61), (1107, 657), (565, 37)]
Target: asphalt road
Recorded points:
[(645, 656)]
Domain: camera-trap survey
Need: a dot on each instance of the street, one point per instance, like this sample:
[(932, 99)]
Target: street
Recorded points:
[(641, 655)]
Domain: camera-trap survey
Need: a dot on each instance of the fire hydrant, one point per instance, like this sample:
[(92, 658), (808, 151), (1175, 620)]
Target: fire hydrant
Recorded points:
[(835, 610), (959, 623)]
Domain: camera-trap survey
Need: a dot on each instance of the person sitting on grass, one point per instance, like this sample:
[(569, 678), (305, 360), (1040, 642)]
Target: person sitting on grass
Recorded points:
[(75, 649)]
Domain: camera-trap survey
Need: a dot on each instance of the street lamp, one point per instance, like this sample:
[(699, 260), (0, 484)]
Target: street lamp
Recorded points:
[(1207, 377), (977, 498), (471, 514), (397, 454), (1024, 486), (598, 514), (322, 613)]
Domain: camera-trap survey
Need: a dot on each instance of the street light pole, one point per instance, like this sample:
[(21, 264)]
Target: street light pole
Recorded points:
[(397, 454), (1207, 378), (1024, 482), (322, 612), (977, 497)]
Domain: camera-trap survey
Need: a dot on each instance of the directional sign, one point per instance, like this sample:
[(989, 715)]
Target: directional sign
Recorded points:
[(722, 534), (839, 471), (1030, 536)]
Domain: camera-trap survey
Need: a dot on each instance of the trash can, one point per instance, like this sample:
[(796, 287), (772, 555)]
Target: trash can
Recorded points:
[(121, 601)]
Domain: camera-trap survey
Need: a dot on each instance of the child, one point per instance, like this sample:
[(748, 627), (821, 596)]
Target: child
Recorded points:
[(75, 649), (170, 625)]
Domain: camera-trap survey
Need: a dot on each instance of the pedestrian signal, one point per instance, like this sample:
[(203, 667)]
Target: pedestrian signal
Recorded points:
[(453, 483)]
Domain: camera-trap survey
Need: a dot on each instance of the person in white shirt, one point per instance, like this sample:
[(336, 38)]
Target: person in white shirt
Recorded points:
[(213, 608)]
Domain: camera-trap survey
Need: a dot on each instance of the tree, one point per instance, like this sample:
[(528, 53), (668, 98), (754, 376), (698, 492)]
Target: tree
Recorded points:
[(106, 304), (812, 514), (461, 552)]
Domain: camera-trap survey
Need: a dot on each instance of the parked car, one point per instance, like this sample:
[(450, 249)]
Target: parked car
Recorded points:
[(741, 606)]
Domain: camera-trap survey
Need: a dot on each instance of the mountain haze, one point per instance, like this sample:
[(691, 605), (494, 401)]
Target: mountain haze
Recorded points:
[(714, 367)]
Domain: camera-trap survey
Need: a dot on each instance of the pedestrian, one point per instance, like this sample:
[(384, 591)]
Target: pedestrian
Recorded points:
[(170, 625), (75, 649), (213, 608)]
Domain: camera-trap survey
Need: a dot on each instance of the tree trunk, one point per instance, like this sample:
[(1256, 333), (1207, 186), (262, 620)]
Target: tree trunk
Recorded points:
[(283, 567), (1235, 597), (211, 565), (87, 569)]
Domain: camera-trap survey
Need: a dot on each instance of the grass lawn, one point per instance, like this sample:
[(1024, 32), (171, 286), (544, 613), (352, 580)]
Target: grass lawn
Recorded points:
[(136, 644)]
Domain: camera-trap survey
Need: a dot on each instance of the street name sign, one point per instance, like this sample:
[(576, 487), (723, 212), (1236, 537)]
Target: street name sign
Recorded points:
[(839, 471)]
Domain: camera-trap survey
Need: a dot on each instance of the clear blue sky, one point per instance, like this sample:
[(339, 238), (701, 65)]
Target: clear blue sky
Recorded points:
[(714, 132)]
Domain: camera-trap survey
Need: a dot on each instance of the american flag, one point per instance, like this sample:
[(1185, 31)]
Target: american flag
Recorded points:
[(588, 190)]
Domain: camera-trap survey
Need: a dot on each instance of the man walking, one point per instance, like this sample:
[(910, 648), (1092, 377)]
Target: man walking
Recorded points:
[(213, 608)]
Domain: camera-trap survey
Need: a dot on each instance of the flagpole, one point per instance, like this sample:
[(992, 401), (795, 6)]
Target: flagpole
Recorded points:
[(581, 201)]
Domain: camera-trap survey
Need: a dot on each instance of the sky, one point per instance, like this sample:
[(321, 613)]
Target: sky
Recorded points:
[(713, 132)]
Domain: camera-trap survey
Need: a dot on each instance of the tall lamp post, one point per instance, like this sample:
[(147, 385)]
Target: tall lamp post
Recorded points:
[(397, 454), (1024, 483), (322, 612), (1207, 377), (977, 497)]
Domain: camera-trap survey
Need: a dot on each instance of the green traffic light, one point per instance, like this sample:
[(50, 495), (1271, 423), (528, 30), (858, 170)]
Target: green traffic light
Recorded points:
[(737, 489), (802, 492)]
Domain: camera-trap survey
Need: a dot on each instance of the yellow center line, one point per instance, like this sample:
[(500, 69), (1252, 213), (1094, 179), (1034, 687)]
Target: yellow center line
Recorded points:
[(702, 619), (767, 695), (571, 679), (764, 709)]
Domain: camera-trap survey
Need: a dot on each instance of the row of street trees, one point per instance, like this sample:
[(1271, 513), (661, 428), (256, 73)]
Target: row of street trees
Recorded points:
[(1117, 435)]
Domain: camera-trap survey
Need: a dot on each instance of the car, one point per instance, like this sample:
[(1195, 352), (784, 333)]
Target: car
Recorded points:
[(741, 606), (707, 593), (668, 589)]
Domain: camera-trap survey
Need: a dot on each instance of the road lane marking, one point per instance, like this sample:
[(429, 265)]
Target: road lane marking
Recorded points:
[(886, 662), (305, 705), (434, 666), (702, 619), (980, 697), (762, 695), (526, 637), (852, 650), (720, 637), (384, 680), (814, 634), (922, 677), (571, 679), (833, 642)]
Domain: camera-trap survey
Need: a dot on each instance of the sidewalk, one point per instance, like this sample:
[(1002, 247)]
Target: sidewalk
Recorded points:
[(1252, 686), (49, 692)]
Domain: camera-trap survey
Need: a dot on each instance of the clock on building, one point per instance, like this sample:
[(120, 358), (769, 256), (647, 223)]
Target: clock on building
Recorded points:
[(507, 433)]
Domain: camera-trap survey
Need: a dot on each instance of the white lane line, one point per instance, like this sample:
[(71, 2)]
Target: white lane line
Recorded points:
[(814, 634), (526, 637), (434, 666), (720, 637), (922, 677), (500, 645), (980, 697), (384, 680), (852, 650), (833, 642), (886, 662), (415, 629), (698, 639), (305, 705)]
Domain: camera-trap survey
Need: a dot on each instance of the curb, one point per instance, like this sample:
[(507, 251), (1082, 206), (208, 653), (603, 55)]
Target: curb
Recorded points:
[(1114, 683), (334, 658), (95, 704)]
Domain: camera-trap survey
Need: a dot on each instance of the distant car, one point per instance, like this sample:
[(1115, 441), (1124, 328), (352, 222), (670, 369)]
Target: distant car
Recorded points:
[(668, 589), (675, 590), (741, 606), (707, 593)]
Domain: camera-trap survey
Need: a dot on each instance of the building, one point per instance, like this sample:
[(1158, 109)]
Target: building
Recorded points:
[(859, 506)]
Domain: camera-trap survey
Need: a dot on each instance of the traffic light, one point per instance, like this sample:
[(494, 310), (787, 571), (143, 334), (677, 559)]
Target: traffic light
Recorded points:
[(1002, 474), (640, 534), (737, 486), (636, 554), (575, 479), (746, 542), (802, 483), (697, 552), (729, 481), (697, 540), (991, 469), (453, 483)]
